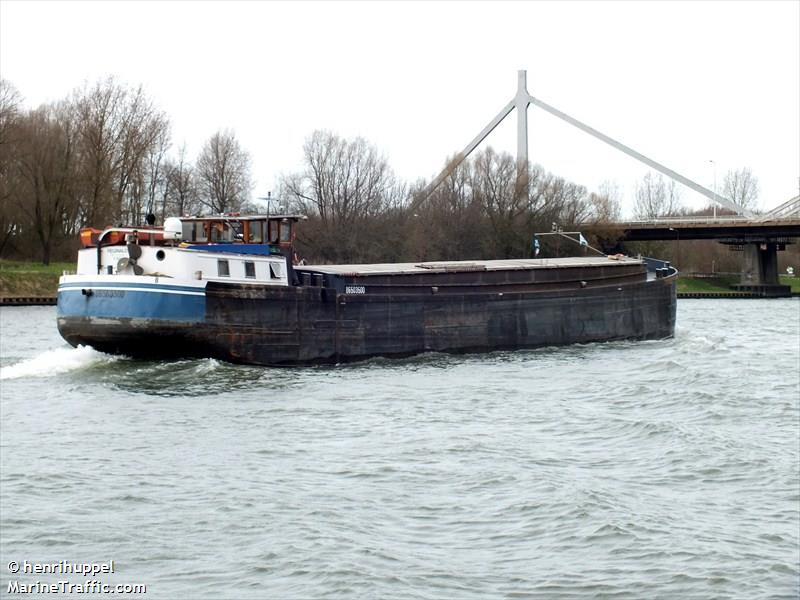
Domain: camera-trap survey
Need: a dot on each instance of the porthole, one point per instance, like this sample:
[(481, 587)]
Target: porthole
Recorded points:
[(160, 255)]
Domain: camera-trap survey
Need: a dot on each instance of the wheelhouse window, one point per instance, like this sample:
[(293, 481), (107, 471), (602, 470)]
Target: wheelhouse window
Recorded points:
[(194, 231), (235, 231), (273, 232), (223, 270), (255, 234), (223, 232), (249, 269), (286, 232)]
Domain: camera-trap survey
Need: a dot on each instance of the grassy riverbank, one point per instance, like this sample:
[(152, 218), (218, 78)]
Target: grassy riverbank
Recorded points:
[(793, 282), (30, 279), (723, 284), (715, 284)]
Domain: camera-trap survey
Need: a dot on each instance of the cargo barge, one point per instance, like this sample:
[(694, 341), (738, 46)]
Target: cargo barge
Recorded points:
[(227, 287)]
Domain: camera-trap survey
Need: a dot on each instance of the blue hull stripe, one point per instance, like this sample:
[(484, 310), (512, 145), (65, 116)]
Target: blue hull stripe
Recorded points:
[(121, 302)]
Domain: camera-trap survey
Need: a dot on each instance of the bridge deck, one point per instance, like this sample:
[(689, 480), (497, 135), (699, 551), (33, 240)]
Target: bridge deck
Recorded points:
[(732, 229)]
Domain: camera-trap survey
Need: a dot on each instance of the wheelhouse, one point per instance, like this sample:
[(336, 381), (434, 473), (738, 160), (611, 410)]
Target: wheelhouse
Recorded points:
[(277, 231)]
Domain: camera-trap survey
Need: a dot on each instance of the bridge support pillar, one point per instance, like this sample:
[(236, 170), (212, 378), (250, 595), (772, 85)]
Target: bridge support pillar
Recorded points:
[(760, 270)]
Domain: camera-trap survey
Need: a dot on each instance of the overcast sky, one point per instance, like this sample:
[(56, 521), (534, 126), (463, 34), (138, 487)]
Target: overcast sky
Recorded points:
[(685, 83)]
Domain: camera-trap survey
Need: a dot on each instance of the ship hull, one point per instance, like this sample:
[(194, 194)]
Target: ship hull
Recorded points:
[(303, 324)]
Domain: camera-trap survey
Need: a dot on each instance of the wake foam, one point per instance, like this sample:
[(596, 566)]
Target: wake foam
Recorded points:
[(54, 362)]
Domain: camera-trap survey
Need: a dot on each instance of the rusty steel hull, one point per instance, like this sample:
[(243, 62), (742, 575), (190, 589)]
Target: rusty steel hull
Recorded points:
[(308, 324)]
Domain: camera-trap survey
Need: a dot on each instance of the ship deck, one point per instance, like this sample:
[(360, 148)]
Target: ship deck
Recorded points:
[(467, 265)]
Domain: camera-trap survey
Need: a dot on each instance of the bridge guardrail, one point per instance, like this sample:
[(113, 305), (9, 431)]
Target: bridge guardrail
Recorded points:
[(685, 221), (722, 220)]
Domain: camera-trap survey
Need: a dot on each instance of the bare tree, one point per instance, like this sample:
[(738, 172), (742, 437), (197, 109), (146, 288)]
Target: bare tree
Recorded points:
[(567, 201), (488, 208), (180, 189), (47, 166), (10, 101), (343, 180), (606, 206), (343, 184), (450, 223), (9, 133), (656, 198), (146, 137), (741, 186), (223, 173), (505, 200), (154, 176), (118, 128)]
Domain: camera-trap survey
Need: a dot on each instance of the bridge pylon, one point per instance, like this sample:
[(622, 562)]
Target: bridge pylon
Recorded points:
[(521, 101), (759, 273)]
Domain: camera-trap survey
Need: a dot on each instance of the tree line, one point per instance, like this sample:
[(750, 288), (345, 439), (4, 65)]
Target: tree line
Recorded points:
[(100, 157), (487, 207), (358, 210), (104, 155)]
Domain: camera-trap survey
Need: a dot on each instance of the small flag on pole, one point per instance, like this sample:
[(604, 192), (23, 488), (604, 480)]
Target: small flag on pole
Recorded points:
[(583, 240), (536, 246)]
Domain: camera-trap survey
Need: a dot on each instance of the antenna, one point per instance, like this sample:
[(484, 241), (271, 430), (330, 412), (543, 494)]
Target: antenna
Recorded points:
[(267, 199)]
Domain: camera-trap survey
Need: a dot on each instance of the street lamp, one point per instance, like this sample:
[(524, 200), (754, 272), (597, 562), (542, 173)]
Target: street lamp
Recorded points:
[(714, 167), (678, 242)]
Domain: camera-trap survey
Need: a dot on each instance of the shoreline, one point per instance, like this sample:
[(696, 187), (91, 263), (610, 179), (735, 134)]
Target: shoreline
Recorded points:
[(28, 301)]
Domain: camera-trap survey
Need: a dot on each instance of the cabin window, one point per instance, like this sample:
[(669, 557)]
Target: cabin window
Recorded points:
[(193, 232), (286, 232), (273, 232), (249, 269), (275, 271), (223, 269), (234, 231), (256, 234)]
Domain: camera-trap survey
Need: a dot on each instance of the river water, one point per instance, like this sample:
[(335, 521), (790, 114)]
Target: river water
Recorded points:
[(666, 469)]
